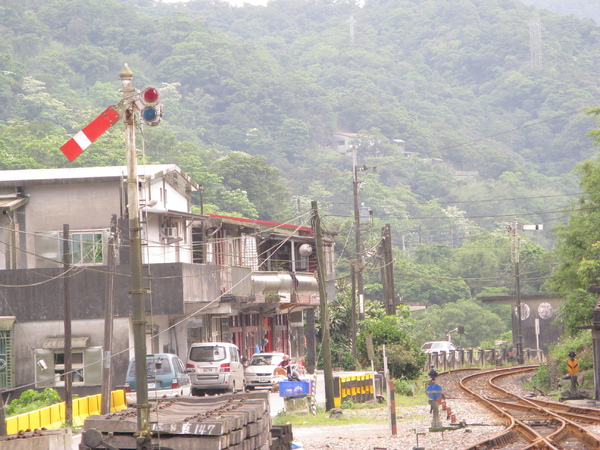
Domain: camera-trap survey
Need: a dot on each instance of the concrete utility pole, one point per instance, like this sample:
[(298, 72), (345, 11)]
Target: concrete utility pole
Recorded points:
[(387, 271), (359, 253), (515, 235), (353, 312), (513, 229), (143, 434), (68, 354), (108, 318), (325, 343)]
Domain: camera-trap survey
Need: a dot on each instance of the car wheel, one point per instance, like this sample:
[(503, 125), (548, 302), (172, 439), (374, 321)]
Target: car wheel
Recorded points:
[(249, 388)]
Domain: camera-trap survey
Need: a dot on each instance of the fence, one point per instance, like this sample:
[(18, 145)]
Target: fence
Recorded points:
[(54, 416), (480, 357)]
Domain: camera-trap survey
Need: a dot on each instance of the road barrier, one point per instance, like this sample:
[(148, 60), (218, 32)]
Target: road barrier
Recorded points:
[(357, 388), (54, 416)]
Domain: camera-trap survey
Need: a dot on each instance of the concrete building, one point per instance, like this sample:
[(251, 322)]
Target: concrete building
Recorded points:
[(206, 278)]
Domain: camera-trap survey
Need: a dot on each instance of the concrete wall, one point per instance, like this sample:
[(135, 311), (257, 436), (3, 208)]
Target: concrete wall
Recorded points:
[(29, 336)]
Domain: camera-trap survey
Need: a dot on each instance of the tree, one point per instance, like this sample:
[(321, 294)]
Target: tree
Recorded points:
[(578, 251), (405, 358), (262, 183), (480, 324)]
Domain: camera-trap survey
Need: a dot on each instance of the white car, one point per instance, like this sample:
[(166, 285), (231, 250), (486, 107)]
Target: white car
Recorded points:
[(438, 346), (260, 368)]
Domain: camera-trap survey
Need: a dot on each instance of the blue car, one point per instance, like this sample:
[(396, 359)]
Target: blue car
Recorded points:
[(166, 377)]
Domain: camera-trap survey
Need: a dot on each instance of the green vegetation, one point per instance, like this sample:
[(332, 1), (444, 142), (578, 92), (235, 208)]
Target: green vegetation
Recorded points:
[(467, 132), (548, 377), (30, 400)]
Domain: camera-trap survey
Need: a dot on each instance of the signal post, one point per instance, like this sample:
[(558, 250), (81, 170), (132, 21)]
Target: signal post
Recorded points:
[(146, 104)]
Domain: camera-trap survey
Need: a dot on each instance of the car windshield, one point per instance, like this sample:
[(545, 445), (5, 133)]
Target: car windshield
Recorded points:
[(209, 353), (265, 360), (155, 365)]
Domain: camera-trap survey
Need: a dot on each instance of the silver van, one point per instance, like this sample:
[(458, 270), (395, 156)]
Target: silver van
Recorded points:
[(214, 367)]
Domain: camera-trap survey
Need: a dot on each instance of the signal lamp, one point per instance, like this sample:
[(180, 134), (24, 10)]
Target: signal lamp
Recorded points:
[(151, 109)]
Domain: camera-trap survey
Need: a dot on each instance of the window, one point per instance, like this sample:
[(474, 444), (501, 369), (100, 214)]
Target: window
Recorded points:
[(6, 357), (210, 353), (87, 247), (77, 366)]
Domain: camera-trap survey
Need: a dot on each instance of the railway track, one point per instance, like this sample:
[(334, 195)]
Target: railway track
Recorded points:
[(531, 423)]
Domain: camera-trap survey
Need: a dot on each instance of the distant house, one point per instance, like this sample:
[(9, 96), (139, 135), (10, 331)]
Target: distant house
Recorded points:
[(206, 278), (466, 174), (344, 142)]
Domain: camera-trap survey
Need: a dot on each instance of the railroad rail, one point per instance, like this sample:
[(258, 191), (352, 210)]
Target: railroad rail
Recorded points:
[(531, 423)]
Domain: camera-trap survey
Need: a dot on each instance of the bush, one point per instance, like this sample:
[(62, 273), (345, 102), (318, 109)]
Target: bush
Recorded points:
[(404, 387), (30, 400)]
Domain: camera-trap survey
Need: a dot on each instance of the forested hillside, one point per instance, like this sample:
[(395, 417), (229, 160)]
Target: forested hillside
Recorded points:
[(254, 95)]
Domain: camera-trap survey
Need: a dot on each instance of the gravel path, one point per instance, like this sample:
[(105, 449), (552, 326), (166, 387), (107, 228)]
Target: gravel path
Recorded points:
[(410, 421), (413, 424)]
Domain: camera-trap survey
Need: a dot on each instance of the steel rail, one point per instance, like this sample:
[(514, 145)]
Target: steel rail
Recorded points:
[(567, 427), (515, 427), (557, 418)]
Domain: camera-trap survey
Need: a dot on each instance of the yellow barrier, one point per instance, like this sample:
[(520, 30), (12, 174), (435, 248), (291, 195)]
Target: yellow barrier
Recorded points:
[(358, 388), (54, 416)]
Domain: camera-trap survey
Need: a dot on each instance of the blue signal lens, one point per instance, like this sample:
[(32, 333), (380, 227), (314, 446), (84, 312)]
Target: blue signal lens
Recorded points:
[(149, 114)]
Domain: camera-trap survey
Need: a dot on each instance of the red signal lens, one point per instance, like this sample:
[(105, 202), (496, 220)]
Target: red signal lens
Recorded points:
[(150, 95)]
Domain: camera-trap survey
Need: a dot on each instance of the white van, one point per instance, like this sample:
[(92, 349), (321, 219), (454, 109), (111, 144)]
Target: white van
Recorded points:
[(215, 366)]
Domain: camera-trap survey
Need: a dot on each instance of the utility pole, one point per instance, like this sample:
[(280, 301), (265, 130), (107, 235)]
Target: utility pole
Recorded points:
[(108, 317), (387, 271), (325, 343), (513, 229), (358, 243), (143, 434), (68, 354), (353, 306), (514, 232)]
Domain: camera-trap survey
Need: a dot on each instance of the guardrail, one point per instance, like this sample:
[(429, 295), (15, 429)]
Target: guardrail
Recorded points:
[(455, 359), (54, 416)]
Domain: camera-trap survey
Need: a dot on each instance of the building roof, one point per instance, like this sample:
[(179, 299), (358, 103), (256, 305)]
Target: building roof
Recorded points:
[(266, 223), (85, 175)]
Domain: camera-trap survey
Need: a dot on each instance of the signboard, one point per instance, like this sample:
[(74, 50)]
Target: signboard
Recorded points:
[(572, 366), (434, 391)]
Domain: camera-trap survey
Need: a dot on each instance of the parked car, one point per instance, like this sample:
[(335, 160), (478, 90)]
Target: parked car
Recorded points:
[(166, 376), (215, 367), (260, 368), (438, 346)]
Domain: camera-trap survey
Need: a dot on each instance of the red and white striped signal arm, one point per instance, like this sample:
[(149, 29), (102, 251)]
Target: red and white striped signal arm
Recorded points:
[(82, 140)]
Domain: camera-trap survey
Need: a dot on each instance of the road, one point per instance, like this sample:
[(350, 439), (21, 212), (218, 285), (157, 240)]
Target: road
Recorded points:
[(277, 404)]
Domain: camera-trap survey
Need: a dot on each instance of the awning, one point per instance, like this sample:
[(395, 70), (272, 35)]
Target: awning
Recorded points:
[(10, 204), (6, 322), (59, 343)]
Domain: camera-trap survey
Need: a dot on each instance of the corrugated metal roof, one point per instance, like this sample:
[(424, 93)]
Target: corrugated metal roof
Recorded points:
[(58, 343), (92, 174)]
